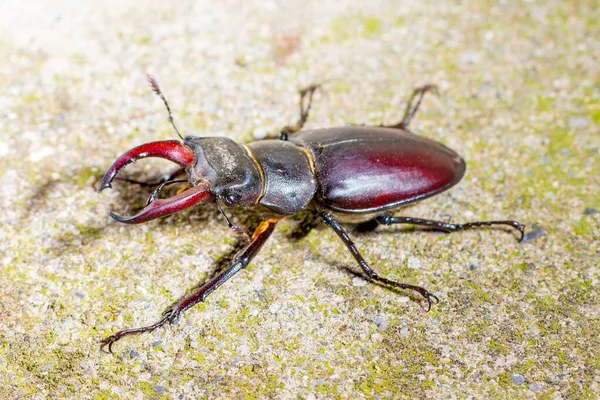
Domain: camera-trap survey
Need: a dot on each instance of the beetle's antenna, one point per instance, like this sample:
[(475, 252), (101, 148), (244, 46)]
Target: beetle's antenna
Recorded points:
[(239, 231), (156, 89)]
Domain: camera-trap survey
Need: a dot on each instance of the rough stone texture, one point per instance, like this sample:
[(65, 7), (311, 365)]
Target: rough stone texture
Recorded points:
[(519, 99)]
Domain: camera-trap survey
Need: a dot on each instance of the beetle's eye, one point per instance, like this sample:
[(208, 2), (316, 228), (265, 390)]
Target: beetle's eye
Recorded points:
[(231, 199)]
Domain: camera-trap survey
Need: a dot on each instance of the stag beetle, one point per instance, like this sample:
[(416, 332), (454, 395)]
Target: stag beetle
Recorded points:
[(350, 174)]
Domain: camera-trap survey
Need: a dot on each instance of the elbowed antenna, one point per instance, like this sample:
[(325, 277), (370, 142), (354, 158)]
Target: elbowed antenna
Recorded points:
[(156, 89)]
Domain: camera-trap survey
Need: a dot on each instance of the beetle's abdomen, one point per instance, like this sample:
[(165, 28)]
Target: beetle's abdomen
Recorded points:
[(289, 182), (367, 169)]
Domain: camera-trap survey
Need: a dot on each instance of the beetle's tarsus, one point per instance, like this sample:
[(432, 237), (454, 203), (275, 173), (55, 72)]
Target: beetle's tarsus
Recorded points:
[(304, 111), (283, 135), (431, 298), (520, 228), (109, 341), (154, 195), (410, 111), (446, 226)]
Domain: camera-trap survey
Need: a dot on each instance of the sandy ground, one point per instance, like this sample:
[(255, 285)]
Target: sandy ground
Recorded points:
[(519, 100)]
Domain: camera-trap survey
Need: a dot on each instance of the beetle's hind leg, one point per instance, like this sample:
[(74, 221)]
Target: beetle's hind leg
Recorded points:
[(307, 92), (329, 220), (241, 260), (411, 109), (448, 227)]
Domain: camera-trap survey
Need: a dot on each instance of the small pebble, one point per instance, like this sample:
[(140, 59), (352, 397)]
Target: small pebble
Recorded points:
[(4, 149), (259, 133), (273, 308), (356, 281), (578, 122), (534, 387), (47, 367), (517, 379), (381, 323), (159, 389), (37, 155), (414, 263), (376, 337), (404, 331)]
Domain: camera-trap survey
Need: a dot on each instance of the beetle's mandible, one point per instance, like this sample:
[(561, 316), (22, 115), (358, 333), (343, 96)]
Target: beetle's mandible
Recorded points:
[(349, 174)]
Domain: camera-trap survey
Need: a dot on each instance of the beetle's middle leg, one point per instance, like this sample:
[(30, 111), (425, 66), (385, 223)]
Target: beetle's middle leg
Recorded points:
[(329, 220), (241, 260), (446, 226), (304, 111), (411, 110)]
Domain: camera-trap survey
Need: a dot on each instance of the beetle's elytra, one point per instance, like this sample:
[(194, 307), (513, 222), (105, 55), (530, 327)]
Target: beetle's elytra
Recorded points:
[(349, 174)]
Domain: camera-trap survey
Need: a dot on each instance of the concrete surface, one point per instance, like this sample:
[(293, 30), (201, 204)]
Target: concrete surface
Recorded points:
[(519, 99)]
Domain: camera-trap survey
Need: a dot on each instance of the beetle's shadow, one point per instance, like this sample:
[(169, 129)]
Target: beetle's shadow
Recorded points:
[(353, 272), (306, 221), (47, 196), (250, 222)]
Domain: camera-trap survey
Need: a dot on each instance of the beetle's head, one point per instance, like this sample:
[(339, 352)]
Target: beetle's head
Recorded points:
[(217, 168), (197, 190)]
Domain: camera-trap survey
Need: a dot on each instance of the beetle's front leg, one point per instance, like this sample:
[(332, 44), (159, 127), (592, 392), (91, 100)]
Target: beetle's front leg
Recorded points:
[(304, 111), (329, 220), (165, 178), (448, 227), (243, 258)]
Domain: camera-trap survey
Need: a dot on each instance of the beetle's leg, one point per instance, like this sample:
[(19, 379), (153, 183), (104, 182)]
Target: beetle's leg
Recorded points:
[(448, 227), (411, 110), (241, 260), (304, 111), (308, 219), (167, 177), (154, 195), (329, 220)]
